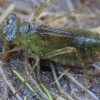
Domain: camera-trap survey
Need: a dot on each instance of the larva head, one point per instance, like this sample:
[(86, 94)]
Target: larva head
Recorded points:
[(10, 28)]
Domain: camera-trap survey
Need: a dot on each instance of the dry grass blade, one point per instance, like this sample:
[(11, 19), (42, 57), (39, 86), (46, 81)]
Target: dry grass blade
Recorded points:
[(70, 14), (38, 11), (57, 96), (6, 13), (28, 85), (79, 84), (58, 84), (70, 5), (60, 76), (96, 30), (36, 84), (8, 82)]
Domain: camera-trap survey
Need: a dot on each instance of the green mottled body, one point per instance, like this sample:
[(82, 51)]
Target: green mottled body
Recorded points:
[(42, 40)]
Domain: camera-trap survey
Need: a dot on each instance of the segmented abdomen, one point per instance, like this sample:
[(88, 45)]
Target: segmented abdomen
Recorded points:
[(88, 47)]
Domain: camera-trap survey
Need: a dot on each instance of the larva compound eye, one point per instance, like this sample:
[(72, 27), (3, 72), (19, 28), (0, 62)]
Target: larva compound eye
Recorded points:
[(11, 27), (27, 28)]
